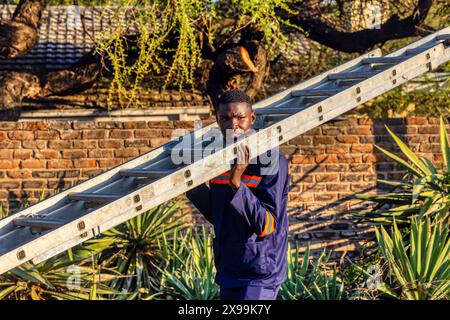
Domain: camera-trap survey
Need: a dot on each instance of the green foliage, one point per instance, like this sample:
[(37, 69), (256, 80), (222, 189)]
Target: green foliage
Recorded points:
[(311, 280), (425, 192), (421, 268), (188, 271), (132, 250), (55, 279)]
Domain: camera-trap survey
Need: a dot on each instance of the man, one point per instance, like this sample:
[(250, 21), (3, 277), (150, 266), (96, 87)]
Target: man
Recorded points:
[(247, 207)]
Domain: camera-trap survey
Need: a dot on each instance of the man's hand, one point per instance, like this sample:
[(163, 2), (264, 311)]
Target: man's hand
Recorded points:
[(237, 169)]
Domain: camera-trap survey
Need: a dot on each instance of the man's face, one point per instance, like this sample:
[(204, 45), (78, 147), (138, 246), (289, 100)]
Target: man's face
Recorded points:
[(235, 116)]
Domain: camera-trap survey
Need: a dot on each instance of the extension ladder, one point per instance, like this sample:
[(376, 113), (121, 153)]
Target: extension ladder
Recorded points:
[(84, 211)]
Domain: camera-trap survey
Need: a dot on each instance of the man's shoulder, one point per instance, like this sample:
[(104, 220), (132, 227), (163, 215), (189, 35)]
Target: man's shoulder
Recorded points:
[(273, 162)]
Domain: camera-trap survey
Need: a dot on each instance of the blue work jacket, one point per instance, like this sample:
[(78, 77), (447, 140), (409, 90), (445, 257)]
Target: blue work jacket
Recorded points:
[(250, 225)]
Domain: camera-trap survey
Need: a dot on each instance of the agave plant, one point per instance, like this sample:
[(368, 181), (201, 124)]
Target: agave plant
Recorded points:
[(188, 271), (57, 279), (424, 191), (311, 280), (132, 250), (421, 268)]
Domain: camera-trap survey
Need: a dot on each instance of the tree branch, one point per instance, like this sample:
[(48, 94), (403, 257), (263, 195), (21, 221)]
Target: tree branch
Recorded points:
[(363, 40), (20, 34)]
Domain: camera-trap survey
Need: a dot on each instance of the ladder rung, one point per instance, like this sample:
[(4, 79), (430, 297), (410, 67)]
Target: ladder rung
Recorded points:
[(350, 75), (93, 197), (37, 223), (383, 60), (275, 117), (145, 173), (285, 110), (315, 92)]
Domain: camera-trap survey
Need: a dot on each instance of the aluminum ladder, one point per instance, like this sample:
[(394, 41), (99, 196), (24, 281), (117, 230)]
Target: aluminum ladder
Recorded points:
[(77, 214)]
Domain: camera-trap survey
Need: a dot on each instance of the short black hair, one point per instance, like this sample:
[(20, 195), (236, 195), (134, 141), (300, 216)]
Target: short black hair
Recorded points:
[(234, 95)]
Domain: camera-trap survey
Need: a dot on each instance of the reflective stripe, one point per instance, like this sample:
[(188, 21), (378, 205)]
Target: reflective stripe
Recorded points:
[(266, 225), (269, 225), (248, 180)]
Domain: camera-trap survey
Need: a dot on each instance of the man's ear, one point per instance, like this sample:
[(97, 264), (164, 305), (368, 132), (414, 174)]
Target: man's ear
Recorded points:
[(253, 116)]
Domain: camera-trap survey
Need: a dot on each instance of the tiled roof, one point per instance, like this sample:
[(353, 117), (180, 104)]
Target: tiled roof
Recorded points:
[(63, 37)]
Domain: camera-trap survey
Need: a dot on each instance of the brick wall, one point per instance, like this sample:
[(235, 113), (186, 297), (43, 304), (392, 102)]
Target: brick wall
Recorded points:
[(328, 164)]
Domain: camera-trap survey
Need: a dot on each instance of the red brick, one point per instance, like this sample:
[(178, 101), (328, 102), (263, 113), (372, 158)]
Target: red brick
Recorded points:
[(85, 144), (350, 177), (302, 159), (144, 134), (78, 125), (58, 145), (121, 134), (19, 174), (328, 197), (95, 134), (360, 167), (347, 139), (35, 125), (362, 148), (9, 164), (9, 184), (100, 153), (359, 130), (126, 153), (74, 154), (333, 131), (21, 135), (47, 135), (91, 173), (365, 121), (336, 149), (137, 143), (156, 142), (326, 159), (428, 130), (301, 140), (109, 163), (109, 125), (44, 174), (9, 125), (34, 184), (59, 164), (111, 144), (22, 154), (6, 154), (324, 140), (71, 135), (327, 177), (85, 163), (33, 164), (416, 121), (135, 125), (3, 135), (36, 144), (338, 187), (336, 167), (346, 158), (47, 154)]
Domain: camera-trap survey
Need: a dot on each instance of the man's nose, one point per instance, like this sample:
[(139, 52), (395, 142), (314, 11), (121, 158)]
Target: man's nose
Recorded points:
[(234, 123)]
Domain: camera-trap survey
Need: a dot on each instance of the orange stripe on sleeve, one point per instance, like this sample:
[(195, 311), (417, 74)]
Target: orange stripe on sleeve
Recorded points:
[(266, 225)]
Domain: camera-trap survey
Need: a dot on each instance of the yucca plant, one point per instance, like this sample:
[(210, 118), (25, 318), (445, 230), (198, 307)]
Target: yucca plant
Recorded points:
[(424, 191), (54, 280), (188, 272), (312, 279), (132, 250), (421, 267)]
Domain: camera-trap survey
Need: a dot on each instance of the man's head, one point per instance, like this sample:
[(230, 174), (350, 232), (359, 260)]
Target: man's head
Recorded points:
[(234, 111)]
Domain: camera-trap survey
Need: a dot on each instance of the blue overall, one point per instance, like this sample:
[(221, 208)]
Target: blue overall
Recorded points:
[(251, 227)]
